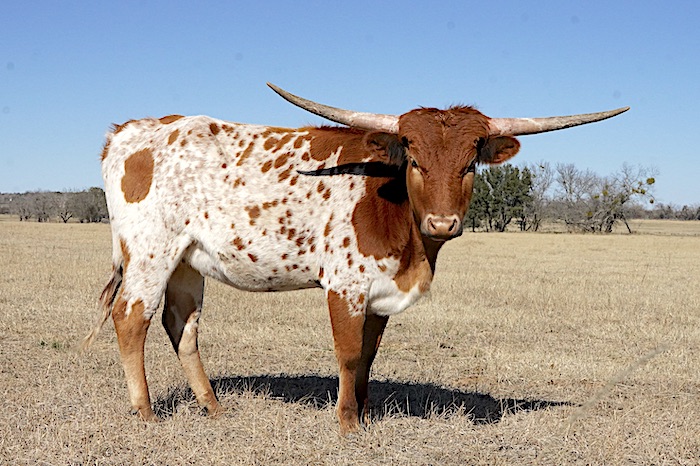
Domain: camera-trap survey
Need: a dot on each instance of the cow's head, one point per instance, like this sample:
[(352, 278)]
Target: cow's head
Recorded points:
[(440, 149)]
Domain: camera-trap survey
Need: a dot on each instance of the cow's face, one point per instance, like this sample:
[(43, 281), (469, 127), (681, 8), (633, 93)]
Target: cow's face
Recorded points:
[(441, 149)]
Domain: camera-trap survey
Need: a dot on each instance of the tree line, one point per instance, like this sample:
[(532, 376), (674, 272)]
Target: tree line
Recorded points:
[(42, 206), (504, 195), (581, 199)]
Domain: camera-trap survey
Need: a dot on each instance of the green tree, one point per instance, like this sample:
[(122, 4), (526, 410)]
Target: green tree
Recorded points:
[(501, 193)]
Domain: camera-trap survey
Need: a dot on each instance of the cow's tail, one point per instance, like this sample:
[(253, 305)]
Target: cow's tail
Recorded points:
[(107, 298)]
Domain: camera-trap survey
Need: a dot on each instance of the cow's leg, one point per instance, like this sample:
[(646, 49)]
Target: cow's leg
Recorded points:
[(143, 284), (347, 324), (131, 320), (183, 306), (373, 329)]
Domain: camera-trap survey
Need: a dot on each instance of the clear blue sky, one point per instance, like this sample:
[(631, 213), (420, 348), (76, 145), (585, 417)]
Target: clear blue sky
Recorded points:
[(70, 69)]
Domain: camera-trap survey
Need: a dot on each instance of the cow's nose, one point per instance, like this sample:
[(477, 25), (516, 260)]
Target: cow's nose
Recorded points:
[(442, 227)]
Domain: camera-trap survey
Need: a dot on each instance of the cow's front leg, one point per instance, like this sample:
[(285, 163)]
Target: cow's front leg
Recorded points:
[(373, 329), (347, 322)]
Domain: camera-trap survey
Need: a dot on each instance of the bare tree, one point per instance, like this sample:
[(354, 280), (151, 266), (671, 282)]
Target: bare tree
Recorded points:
[(90, 205), (43, 205), (589, 202), (65, 205), (542, 179), (21, 206), (575, 190)]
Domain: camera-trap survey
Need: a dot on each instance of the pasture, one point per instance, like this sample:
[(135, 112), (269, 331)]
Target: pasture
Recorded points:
[(530, 349)]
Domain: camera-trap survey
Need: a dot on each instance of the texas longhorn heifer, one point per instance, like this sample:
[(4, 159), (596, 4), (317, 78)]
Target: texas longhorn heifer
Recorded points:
[(359, 211)]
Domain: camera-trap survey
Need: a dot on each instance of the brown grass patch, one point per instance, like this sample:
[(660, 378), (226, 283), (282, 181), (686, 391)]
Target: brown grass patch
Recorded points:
[(531, 349)]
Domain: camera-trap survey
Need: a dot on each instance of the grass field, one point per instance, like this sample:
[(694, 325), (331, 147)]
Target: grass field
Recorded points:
[(531, 349)]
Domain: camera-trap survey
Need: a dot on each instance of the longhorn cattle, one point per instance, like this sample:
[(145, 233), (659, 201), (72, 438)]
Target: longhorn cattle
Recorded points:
[(360, 211)]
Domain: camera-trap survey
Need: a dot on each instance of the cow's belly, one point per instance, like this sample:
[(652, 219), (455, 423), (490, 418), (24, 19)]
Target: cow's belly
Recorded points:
[(256, 273)]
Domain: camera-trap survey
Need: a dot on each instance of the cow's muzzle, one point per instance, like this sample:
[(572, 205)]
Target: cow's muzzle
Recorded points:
[(441, 227)]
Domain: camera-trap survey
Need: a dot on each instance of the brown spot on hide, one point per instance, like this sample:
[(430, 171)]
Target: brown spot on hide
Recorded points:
[(266, 166), (138, 175), (327, 230), (183, 142), (223, 165), (299, 141), (269, 143), (327, 194), (294, 180), (214, 128), (362, 268), (320, 187), (320, 273), (173, 136), (280, 144), (285, 174), (282, 159), (253, 257), (126, 255), (187, 221), (206, 215), (346, 242), (253, 212), (166, 120), (326, 141), (246, 153)]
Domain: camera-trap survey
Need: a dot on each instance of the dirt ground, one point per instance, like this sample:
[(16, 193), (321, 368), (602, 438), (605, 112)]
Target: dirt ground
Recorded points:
[(530, 349)]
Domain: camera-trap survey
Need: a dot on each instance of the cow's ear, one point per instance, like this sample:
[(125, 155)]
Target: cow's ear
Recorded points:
[(385, 147), (498, 149)]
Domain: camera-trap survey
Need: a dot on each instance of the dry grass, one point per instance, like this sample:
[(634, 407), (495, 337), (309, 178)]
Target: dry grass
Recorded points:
[(532, 349)]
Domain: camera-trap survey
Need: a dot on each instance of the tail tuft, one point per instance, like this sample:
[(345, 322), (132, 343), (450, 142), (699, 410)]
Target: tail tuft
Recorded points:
[(109, 294)]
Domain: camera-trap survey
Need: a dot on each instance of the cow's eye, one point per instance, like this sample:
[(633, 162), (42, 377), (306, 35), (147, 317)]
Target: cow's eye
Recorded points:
[(414, 164), (471, 168)]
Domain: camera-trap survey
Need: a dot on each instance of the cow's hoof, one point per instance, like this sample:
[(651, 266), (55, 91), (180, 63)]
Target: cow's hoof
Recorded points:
[(146, 414)]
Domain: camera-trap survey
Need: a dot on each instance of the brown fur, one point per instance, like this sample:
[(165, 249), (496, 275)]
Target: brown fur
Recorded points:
[(138, 176)]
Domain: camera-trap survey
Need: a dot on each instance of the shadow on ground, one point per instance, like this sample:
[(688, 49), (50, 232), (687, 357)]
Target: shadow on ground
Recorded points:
[(386, 397)]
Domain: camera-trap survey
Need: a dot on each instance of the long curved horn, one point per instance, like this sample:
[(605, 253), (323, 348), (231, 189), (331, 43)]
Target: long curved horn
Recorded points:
[(522, 126), (371, 121)]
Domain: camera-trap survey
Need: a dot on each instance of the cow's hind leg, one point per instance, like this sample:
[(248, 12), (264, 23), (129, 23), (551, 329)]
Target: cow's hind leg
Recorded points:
[(132, 318), (143, 283), (183, 306)]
